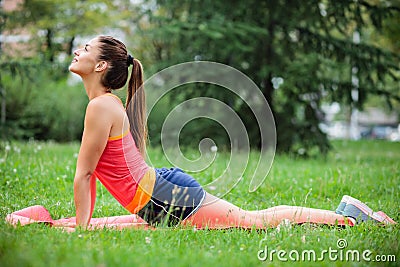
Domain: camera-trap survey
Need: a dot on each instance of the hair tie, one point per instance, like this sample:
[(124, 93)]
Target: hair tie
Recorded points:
[(129, 60)]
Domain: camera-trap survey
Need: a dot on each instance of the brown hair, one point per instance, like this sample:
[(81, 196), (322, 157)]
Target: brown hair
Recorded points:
[(114, 52)]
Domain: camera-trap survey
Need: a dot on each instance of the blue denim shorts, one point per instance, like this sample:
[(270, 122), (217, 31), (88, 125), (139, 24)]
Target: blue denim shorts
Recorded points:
[(176, 196)]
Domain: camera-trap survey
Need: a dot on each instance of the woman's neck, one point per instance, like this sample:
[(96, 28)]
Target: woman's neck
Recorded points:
[(93, 87)]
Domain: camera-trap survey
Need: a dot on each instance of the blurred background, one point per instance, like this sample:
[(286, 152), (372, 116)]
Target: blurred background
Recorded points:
[(329, 69)]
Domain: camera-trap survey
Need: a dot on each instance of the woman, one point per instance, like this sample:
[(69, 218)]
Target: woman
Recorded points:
[(113, 148)]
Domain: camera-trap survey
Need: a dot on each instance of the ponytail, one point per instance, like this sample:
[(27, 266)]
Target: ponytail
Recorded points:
[(136, 107), (115, 53)]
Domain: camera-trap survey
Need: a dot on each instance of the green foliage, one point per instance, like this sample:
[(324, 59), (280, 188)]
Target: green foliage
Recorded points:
[(39, 173), (308, 45), (54, 24), (40, 102), (34, 108)]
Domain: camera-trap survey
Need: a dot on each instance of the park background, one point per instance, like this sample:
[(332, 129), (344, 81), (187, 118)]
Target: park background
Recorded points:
[(328, 69)]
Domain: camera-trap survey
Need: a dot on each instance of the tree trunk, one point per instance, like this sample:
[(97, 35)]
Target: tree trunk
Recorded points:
[(3, 103), (269, 58), (70, 45), (49, 45)]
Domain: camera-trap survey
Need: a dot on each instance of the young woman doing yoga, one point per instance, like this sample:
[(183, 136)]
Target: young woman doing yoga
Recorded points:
[(113, 147)]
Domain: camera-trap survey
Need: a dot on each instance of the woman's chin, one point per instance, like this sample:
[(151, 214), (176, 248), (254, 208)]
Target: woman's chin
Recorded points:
[(72, 69)]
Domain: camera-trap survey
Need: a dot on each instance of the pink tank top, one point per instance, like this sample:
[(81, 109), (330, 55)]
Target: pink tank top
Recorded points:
[(121, 168)]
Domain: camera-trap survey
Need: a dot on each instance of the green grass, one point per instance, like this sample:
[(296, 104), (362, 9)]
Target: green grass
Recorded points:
[(42, 173)]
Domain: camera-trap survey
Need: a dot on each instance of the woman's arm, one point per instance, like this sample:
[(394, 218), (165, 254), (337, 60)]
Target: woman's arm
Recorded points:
[(98, 122)]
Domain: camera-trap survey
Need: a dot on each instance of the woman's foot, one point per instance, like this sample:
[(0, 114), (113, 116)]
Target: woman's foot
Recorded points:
[(353, 208), (382, 217), (348, 200)]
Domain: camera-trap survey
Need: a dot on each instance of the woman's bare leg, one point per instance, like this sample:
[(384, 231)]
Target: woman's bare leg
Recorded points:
[(217, 213)]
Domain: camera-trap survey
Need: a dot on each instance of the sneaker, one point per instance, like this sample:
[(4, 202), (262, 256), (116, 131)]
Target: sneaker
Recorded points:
[(380, 216), (366, 212), (342, 204), (354, 208), (348, 199)]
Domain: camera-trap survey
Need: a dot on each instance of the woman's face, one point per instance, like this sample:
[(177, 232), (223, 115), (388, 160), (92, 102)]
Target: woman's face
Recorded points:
[(86, 59)]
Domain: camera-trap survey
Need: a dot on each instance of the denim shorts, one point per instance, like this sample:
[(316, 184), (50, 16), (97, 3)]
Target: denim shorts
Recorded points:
[(176, 196)]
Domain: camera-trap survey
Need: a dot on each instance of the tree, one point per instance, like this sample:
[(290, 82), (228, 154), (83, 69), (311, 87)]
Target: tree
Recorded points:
[(54, 24), (52, 27), (300, 53)]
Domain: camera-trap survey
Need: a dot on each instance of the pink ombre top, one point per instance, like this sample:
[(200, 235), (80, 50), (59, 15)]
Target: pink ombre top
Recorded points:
[(121, 167)]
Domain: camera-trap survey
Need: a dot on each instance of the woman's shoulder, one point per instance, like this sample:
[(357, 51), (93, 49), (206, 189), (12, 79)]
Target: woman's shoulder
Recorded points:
[(103, 102), (102, 107), (98, 104), (105, 108)]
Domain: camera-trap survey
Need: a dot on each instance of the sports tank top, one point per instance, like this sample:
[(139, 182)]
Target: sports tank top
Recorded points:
[(125, 174)]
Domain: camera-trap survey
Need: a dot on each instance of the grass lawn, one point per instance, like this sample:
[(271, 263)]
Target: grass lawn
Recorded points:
[(36, 173)]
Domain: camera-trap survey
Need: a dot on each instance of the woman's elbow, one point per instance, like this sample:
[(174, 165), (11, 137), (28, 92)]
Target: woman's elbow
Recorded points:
[(83, 176)]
